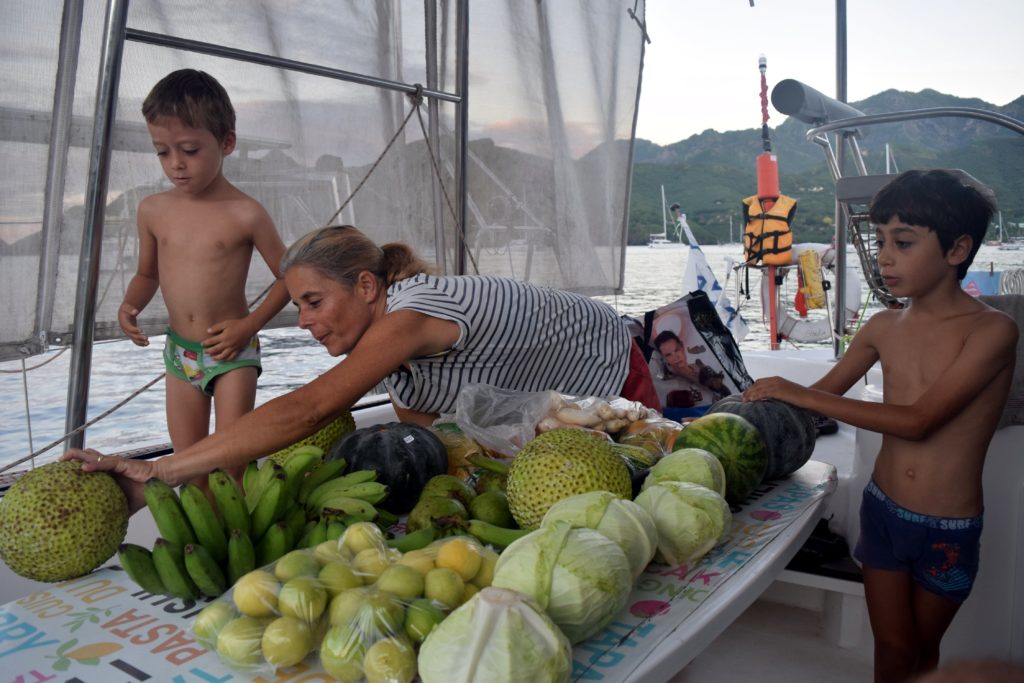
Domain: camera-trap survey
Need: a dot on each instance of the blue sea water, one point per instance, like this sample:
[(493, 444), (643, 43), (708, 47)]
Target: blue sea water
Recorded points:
[(35, 401)]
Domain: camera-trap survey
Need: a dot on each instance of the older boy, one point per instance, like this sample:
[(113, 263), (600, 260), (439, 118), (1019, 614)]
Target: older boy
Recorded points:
[(947, 362), (195, 244)]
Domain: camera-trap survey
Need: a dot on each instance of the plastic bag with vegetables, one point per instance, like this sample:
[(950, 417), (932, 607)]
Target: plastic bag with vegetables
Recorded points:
[(342, 605), (497, 636)]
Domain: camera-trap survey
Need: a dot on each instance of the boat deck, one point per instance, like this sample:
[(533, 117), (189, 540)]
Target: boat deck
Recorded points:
[(776, 642)]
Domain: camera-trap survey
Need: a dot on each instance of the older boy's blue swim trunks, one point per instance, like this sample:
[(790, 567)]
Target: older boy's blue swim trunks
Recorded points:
[(187, 361), (941, 553)]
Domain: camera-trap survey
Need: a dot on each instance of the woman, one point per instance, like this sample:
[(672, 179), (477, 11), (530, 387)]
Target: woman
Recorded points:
[(425, 337)]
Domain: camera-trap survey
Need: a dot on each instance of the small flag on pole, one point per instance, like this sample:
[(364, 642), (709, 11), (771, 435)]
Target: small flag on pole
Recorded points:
[(699, 276)]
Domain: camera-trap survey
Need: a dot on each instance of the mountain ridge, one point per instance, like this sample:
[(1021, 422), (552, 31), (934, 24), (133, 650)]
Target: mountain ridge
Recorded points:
[(710, 172)]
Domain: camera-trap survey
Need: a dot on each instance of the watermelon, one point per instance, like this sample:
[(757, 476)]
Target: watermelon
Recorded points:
[(737, 444), (788, 432)]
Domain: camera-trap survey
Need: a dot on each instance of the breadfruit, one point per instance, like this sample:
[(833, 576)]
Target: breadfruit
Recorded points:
[(323, 439), (58, 522), (559, 464)]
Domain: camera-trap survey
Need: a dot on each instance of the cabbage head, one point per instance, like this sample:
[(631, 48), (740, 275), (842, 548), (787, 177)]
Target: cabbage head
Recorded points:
[(578, 576), (694, 465), (621, 520), (497, 636), (690, 519)]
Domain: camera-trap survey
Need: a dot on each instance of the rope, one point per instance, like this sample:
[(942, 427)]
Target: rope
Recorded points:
[(459, 229), (28, 413), (34, 367), (764, 98), (416, 105), (766, 143), (84, 426), (132, 396)]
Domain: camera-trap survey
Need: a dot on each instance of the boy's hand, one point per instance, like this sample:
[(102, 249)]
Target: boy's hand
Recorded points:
[(227, 339), (773, 387), (127, 318), (128, 473)]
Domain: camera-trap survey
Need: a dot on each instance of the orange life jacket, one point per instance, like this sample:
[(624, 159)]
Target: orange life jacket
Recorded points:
[(767, 238)]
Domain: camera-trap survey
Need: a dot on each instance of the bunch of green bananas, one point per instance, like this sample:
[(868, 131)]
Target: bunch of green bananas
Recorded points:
[(354, 494), (204, 546)]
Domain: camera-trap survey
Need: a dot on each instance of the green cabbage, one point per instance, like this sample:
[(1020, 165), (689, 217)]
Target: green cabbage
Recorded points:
[(580, 577), (623, 521), (694, 465), (497, 636), (690, 519)]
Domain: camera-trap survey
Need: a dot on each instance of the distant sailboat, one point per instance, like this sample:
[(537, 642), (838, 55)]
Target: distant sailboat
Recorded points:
[(660, 239)]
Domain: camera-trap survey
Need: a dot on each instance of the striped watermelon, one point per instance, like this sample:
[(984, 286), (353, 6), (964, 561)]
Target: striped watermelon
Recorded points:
[(737, 444), (788, 432)]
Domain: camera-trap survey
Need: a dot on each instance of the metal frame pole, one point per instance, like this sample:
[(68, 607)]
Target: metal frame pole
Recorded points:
[(56, 164), (840, 211), (433, 112), (462, 117), (95, 208)]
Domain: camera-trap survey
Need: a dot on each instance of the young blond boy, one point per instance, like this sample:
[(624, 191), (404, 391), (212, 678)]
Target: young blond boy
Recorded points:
[(195, 244), (947, 362)]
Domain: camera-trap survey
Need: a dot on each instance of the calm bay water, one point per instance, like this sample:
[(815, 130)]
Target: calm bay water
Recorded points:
[(292, 358)]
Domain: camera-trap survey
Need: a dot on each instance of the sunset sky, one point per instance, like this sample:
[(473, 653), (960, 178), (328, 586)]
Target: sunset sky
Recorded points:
[(701, 72)]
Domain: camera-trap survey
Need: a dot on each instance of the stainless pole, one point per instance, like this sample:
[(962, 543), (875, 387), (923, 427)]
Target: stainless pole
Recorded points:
[(95, 206), (56, 163), (463, 129), (433, 125), (200, 47), (840, 212)]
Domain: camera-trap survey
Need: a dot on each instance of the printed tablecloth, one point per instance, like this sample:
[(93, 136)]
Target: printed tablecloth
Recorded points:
[(101, 628)]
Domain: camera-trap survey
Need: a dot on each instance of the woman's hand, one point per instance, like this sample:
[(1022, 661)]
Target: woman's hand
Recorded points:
[(130, 474)]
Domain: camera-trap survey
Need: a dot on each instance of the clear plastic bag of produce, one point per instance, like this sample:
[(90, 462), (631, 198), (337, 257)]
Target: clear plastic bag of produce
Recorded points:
[(279, 615), (453, 568), (355, 607), (655, 434), (503, 420), (496, 630), (459, 445)]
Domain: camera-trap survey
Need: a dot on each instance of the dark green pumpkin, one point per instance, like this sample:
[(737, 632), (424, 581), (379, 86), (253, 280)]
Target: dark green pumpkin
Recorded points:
[(788, 432), (405, 456)]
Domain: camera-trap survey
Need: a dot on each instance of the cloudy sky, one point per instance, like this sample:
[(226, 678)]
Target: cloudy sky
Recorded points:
[(706, 51)]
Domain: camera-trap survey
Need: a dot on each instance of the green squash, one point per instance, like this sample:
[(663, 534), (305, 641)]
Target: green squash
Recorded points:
[(405, 456)]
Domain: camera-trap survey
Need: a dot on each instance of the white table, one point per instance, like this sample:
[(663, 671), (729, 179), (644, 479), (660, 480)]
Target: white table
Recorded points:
[(102, 628)]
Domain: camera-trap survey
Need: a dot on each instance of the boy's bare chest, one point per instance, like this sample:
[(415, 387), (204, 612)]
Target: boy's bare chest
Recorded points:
[(914, 356), (207, 236)]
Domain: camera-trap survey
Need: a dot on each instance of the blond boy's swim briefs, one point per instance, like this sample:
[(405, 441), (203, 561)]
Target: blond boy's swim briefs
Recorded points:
[(188, 361)]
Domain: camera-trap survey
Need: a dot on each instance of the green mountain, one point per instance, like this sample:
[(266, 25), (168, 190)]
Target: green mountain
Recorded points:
[(709, 174)]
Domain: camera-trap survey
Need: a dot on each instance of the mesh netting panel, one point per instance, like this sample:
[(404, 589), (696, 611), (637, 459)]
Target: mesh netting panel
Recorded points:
[(552, 97)]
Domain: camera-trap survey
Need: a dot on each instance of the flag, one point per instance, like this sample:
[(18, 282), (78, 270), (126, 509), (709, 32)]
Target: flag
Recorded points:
[(699, 276)]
